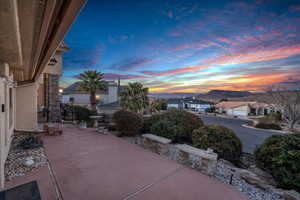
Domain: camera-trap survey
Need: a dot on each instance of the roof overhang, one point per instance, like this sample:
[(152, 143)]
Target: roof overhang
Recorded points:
[(31, 32)]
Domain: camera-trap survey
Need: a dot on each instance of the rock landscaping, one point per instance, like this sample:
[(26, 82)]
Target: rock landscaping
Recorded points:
[(20, 161)]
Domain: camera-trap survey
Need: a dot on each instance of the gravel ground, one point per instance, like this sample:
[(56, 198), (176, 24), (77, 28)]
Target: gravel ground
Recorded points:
[(223, 174), (20, 161)]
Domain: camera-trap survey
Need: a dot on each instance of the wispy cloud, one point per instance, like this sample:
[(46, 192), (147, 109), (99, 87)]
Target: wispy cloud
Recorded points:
[(132, 63), (115, 76)]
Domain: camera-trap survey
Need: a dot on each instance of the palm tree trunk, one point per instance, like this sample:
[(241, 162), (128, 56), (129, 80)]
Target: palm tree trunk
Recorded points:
[(93, 101)]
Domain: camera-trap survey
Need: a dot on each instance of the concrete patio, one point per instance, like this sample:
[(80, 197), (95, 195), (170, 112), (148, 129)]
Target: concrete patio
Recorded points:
[(88, 165)]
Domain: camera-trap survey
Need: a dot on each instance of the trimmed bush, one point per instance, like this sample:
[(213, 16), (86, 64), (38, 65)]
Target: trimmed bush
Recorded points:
[(149, 121), (165, 128), (82, 113), (222, 140), (31, 141), (268, 126), (128, 123), (182, 124), (280, 155)]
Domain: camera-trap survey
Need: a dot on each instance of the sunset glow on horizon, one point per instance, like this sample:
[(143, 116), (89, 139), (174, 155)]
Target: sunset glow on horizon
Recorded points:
[(188, 45)]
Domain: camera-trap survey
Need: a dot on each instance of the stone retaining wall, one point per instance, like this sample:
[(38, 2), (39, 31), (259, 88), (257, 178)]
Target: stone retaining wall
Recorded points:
[(204, 161), (156, 144)]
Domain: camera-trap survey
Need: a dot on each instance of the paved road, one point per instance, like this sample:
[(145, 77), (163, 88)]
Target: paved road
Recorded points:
[(250, 137)]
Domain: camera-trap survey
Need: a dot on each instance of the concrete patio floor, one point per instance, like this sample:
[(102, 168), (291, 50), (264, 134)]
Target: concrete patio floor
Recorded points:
[(91, 166)]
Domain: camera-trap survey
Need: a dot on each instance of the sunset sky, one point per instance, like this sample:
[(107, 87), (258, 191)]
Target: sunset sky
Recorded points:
[(186, 45)]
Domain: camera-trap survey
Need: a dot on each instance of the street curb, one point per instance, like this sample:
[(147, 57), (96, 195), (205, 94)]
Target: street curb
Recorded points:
[(269, 130)]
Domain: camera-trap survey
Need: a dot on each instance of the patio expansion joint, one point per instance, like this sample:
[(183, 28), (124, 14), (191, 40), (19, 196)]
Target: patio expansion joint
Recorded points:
[(148, 186), (54, 181)]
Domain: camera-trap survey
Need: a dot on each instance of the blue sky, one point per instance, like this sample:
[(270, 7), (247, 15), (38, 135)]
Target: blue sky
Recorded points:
[(186, 45)]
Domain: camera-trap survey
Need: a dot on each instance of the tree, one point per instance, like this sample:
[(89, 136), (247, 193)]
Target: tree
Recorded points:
[(157, 105), (288, 102), (91, 81), (135, 98)]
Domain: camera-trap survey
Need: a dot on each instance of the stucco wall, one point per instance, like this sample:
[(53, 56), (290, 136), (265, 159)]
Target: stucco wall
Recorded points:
[(55, 69), (239, 111), (172, 106), (7, 116), (84, 99), (26, 107)]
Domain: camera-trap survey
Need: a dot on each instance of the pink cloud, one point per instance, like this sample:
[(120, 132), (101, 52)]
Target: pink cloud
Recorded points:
[(295, 8), (175, 71), (114, 76), (225, 40)]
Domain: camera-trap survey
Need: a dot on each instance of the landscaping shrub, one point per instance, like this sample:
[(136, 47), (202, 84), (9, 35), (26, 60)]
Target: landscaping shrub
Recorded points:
[(280, 155), (222, 140), (268, 126), (271, 118), (165, 128), (182, 124), (31, 141), (128, 123), (82, 113), (149, 121)]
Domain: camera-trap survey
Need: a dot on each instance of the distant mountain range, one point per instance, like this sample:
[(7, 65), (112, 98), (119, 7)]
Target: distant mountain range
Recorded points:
[(172, 95), (213, 95), (216, 95)]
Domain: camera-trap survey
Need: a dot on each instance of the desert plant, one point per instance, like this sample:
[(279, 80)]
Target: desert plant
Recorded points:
[(128, 123), (221, 139), (135, 98), (268, 126), (91, 81), (183, 124), (280, 155), (31, 141)]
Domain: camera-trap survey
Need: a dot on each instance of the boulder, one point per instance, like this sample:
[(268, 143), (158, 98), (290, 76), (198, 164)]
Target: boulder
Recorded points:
[(28, 162)]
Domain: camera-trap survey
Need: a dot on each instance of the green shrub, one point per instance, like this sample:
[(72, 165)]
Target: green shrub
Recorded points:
[(271, 118), (280, 155), (182, 125), (31, 141), (164, 128), (128, 123), (82, 113), (222, 140), (149, 121), (268, 126)]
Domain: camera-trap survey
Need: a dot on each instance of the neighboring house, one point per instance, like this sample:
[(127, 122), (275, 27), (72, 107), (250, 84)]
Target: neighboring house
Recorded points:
[(196, 104), (189, 104), (79, 97), (31, 36), (175, 103), (244, 108)]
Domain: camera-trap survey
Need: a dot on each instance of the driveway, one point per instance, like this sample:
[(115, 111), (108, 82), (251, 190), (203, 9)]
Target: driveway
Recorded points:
[(250, 137), (88, 165)]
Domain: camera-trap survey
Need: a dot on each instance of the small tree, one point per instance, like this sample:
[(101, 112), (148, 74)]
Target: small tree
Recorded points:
[(91, 81), (289, 104), (157, 105), (135, 98)]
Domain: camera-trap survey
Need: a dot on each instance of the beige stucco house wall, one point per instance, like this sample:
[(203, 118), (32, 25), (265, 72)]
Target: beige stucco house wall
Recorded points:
[(26, 107), (7, 115)]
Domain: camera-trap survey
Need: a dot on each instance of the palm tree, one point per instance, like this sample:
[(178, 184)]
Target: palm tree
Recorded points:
[(91, 81), (135, 98)]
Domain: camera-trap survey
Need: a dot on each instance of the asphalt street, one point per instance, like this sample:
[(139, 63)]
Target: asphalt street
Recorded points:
[(250, 138)]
